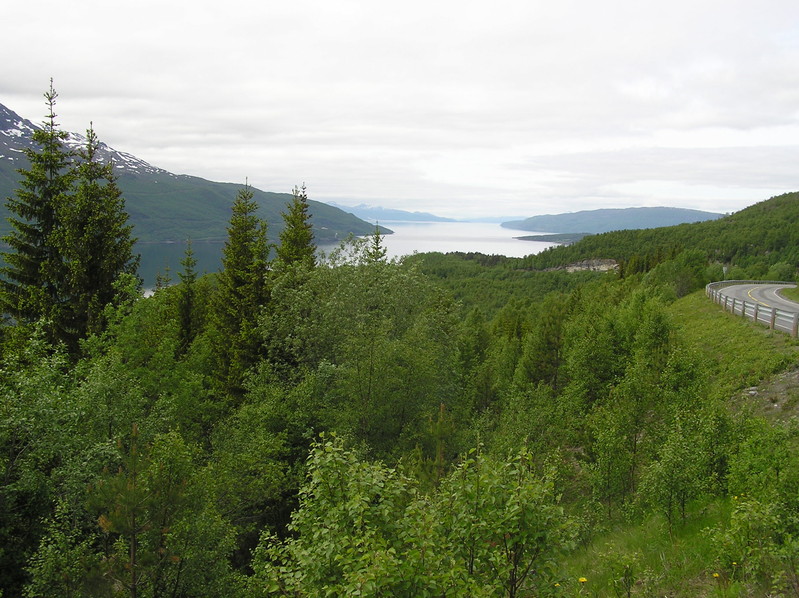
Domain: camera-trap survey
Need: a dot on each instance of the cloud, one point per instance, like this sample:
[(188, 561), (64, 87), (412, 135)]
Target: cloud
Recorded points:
[(455, 107)]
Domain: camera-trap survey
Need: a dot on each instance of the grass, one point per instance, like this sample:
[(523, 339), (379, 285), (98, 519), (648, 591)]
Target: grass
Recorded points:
[(738, 352), (653, 560), (680, 563), (791, 293)]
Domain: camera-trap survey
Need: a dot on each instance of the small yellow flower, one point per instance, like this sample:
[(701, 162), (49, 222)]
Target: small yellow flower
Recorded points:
[(734, 564), (715, 575), (557, 585), (582, 580)]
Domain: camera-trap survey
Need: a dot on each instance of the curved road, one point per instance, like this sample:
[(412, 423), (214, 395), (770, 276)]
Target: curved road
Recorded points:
[(766, 295)]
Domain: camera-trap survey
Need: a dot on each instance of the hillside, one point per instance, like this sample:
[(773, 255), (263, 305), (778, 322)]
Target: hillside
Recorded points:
[(378, 214), (164, 206), (606, 220), (451, 425), (756, 237)]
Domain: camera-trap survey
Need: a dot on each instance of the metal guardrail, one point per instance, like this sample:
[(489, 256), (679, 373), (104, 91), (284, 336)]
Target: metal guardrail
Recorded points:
[(775, 319)]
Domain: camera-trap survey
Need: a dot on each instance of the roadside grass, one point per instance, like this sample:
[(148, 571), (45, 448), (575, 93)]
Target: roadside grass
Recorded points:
[(647, 559), (792, 294), (644, 557), (738, 352)]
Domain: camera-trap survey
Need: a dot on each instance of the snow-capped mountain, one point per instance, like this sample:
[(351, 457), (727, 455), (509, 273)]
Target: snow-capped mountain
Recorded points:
[(16, 135), (165, 207)]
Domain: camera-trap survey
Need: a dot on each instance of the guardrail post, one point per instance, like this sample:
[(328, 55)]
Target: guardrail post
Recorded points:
[(795, 327), (773, 318), (757, 309)]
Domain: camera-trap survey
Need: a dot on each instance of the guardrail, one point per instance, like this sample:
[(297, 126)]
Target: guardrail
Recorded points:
[(775, 319)]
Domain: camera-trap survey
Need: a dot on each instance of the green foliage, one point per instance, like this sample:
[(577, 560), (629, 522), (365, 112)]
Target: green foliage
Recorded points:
[(161, 534), (32, 281), (95, 241), (241, 294), (69, 240), (296, 239), (760, 235), (380, 333), (38, 423), (66, 563), (188, 316), (492, 529), (600, 403)]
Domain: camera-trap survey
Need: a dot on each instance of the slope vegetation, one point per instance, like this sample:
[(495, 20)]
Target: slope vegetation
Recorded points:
[(760, 235)]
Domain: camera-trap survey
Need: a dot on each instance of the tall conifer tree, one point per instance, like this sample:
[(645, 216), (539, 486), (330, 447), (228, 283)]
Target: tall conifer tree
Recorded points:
[(375, 250), (96, 244), (187, 316), (32, 278), (242, 292), (296, 239)]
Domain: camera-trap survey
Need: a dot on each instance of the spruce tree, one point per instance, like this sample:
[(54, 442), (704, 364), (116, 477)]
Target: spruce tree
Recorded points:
[(375, 250), (187, 317), (241, 294), (296, 239), (96, 245), (32, 279)]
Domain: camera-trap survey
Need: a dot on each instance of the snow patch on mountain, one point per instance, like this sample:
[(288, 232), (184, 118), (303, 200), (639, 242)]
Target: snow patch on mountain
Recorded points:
[(16, 135)]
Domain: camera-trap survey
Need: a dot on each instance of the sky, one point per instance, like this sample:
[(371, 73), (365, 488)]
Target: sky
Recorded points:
[(462, 108)]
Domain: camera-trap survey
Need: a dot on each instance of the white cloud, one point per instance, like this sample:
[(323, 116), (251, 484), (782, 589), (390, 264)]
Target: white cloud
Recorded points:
[(463, 107)]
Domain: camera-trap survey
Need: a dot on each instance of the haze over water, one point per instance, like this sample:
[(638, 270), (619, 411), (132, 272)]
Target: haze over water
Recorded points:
[(480, 237), (408, 237)]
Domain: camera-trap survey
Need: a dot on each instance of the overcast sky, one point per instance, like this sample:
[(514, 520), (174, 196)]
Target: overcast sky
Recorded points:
[(456, 107)]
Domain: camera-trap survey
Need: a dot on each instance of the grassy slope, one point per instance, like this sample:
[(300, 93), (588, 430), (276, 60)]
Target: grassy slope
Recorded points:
[(739, 355)]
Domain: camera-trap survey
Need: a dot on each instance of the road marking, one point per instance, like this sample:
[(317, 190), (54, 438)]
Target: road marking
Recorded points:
[(756, 300)]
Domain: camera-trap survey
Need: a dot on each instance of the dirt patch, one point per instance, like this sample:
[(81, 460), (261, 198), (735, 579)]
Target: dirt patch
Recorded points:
[(776, 397)]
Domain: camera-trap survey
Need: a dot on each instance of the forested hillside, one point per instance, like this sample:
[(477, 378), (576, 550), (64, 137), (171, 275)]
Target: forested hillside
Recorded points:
[(606, 220), (753, 239), (449, 425)]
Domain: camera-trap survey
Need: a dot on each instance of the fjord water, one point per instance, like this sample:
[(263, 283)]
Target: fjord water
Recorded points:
[(490, 238)]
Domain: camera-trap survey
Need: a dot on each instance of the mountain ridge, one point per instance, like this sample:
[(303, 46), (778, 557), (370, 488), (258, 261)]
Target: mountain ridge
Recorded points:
[(168, 207), (381, 214), (610, 219)]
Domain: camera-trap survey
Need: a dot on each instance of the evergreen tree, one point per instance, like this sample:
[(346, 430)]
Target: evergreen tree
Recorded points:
[(376, 251), (242, 292), (30, 285), (96, 245), (296, 239), (186, 300)]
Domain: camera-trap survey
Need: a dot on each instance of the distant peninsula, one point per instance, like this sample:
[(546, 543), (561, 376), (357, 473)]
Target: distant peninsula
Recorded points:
[(559, 238), (610, 219)]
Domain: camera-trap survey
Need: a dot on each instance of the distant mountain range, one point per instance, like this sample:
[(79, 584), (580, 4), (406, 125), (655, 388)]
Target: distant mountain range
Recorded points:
[(378, 214), (166, 207), (606, 220)]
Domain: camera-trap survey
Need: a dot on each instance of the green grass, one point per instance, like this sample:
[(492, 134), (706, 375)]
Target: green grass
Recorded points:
[(660, 562), (680, 563), (791, 294), (738, 352)]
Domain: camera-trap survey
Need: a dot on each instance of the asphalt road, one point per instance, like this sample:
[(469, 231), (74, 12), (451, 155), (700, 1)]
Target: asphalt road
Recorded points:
[(767, 295)]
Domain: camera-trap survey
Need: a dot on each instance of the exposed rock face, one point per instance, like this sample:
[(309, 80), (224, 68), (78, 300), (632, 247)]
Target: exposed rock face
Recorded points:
[(603, 265)]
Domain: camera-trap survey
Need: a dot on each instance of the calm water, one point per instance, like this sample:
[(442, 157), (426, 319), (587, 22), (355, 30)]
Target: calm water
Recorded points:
[(481, 237), (408, 237)]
